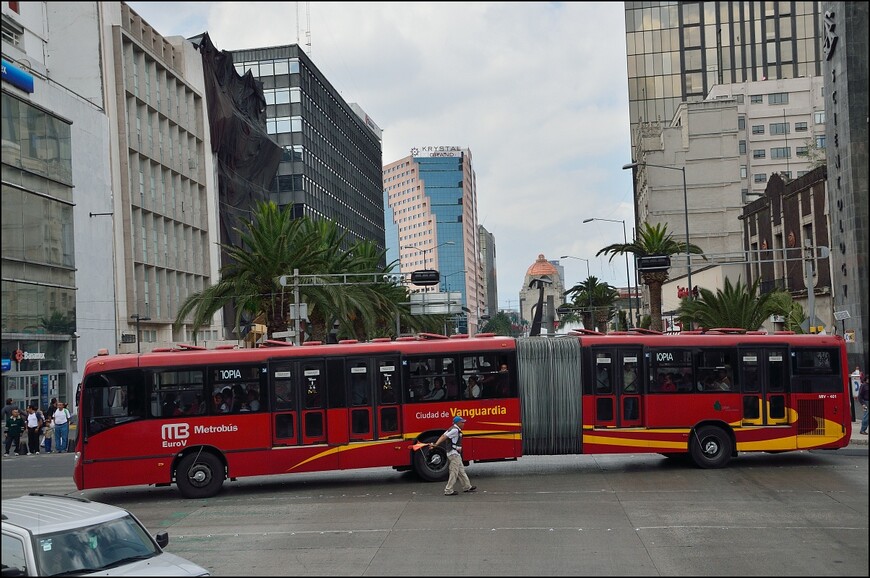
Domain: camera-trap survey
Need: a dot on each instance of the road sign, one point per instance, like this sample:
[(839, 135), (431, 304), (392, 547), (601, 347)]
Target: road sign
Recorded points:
[(841, 315), (654, 263), (425, 277)]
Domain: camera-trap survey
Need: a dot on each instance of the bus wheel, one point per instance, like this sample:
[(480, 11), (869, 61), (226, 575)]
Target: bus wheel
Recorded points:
[(199, 475), (431, 464), (710, 447)]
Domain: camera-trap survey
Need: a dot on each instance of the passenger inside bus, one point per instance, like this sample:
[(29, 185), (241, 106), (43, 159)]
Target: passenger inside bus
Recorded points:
[(602, 380), (472, 390), (218, 403), (629, 378), (437, 392), (666, 382)]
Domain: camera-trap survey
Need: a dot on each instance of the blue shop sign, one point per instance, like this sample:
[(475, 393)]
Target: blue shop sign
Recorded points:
[(17, 77), (7, 364)]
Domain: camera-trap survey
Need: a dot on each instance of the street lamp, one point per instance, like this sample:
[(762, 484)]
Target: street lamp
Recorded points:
[(425, 251), (685, 215), (139, 318), (588, 275), (627, 271)]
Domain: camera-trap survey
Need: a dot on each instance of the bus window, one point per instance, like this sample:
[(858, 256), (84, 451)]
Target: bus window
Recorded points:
[(178, 393), (603, 373), (671, 371), (114, 398), (234, 384), (716, 370), (388, 380), (312, 386)]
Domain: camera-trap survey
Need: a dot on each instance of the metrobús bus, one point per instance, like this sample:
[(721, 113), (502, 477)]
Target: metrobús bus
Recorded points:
[(197, 417)]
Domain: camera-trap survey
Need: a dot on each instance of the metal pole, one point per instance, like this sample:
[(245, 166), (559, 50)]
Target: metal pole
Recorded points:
[(627, 277), (688, 253)]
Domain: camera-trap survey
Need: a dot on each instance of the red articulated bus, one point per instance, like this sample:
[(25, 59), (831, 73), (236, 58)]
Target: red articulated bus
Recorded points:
[(197, 417)]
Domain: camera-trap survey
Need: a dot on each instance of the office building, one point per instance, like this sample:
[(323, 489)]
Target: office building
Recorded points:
[(677, 51), (490, 276), (845, 56), (432, 194), (331, 164)]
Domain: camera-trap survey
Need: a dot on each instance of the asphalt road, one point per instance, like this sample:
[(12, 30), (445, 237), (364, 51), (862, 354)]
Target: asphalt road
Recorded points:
[(797, 514)]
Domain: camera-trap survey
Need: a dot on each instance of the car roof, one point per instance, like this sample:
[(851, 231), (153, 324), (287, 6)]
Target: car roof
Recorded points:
[(48, 513)]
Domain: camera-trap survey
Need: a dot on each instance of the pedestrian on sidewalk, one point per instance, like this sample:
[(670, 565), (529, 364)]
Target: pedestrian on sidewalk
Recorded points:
[(14, 428), (61, 427), (48, 433), (34, 425), (453, 439), (863, 400), (855, 379)]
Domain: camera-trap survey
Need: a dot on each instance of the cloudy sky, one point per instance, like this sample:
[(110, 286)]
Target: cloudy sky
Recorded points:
[(537, 91)]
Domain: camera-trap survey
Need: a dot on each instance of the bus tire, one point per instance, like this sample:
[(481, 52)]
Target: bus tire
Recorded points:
[(199, 475), (710, 447), (431, 464)]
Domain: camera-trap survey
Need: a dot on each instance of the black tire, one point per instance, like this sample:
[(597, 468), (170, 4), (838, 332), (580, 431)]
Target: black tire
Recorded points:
[(431, 464), (199, 475), (710, 447)]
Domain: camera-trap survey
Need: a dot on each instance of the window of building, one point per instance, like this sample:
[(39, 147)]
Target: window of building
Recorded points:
[(739, 98), (741, 123), (741, 147), (743, 171), (802, 151), (780, 153), (758, 154), (758, 129), (820, 142), (800, 127), (819, 117), (777, 98), (779, 128), (756, 99), (760, 177)]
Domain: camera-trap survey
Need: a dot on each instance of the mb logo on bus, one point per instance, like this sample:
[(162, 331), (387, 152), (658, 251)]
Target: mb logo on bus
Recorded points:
[(172, 433)]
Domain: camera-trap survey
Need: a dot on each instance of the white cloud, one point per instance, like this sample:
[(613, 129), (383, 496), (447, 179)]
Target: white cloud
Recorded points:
[(537, 91)]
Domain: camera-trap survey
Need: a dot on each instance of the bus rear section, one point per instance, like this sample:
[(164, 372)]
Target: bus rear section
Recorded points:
[(705, 396)]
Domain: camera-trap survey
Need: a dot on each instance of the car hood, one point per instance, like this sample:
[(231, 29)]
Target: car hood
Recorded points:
[(165, 564)]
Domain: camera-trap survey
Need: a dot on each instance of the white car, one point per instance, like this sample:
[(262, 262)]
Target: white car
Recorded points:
[(50, 535)]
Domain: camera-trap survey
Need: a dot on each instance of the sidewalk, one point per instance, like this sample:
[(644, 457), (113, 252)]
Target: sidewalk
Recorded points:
[(857, 439)]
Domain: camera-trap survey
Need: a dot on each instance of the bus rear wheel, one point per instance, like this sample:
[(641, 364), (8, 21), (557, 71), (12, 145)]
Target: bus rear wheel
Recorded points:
[(431, 463), (710, 447), (199, 475)]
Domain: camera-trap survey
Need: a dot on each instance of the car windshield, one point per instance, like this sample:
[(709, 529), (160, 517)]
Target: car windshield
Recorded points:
[(92, 548)]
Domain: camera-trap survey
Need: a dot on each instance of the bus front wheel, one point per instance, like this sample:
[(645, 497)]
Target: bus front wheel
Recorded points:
[(431, 464), (199, 475), (710, 447)]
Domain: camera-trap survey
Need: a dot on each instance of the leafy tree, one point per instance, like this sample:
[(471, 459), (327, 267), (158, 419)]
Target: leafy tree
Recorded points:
[(781, 303), (500, 324), (652, 240), (58, 323), (595, 299), (734, 306)]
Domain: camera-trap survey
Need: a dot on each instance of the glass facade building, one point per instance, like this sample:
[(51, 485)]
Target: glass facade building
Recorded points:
[(331, 167), (677, 51)]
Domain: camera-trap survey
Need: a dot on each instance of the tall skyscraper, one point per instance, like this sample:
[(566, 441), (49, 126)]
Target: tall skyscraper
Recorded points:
[(331, 168), (433, 197), (677, 51)]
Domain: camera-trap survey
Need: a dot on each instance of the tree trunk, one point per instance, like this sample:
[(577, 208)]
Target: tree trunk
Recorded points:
[(654, 280)]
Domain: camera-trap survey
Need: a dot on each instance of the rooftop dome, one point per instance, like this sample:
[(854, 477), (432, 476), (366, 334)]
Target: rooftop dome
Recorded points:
[(542, 267)]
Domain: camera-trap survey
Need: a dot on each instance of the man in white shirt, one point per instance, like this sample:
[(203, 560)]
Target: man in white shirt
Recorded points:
[(61, 427), (453, 436)]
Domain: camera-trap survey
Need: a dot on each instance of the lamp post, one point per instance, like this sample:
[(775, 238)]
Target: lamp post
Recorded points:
[(139, 318), (627, 270), (685, 215), (425, 251), (588, 275)]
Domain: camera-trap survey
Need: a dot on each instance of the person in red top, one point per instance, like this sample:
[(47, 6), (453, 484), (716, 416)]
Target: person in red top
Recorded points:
[(667, 383)]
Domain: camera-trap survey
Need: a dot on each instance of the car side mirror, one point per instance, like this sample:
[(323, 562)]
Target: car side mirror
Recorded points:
[(162, 539)]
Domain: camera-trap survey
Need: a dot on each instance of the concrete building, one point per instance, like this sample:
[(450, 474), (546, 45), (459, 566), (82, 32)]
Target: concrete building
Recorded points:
[(781, 124), (845, 57), (554, 293), (677, 51), (432, 196), (331, 168), (125, 208), (490, 277), (786, 233)]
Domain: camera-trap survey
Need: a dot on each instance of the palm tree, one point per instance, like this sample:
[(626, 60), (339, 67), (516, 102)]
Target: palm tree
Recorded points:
[(595, 299), (782, 303), (734, 306), (273, 244), (652, 240)]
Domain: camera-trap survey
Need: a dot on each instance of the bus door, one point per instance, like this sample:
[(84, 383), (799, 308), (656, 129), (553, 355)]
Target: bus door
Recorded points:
[(603, 392), (387, 385), (360, 380), (284, 398), (763, 381), (629, 382), (313, 386)]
